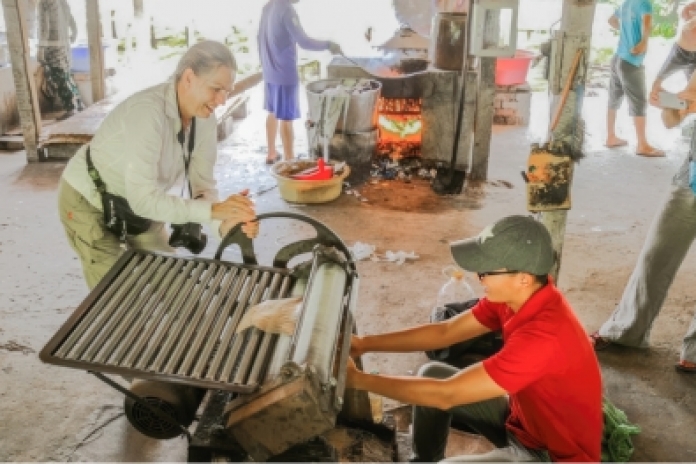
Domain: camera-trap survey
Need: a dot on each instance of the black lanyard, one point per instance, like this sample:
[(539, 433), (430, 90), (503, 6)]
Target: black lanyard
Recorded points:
[(187, 159)]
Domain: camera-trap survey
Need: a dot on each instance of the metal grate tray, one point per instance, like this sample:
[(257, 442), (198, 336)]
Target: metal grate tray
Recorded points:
[(172, 319)]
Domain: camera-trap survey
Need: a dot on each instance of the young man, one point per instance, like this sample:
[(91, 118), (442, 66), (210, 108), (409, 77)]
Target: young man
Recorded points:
[(670, 236), (634, 21), (540, 396), (682, 57), (279, 35)]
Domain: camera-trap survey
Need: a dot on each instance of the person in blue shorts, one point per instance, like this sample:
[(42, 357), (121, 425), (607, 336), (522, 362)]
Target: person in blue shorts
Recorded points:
[(279, 35)]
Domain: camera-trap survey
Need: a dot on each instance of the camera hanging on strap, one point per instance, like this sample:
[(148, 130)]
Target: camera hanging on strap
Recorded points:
[(119, 218), (189, 235)]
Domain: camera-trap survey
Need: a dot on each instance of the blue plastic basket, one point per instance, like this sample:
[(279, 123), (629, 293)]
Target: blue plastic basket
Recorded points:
[(80, 57)]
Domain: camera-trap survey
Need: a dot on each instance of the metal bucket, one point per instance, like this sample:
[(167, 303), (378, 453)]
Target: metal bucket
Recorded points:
[(362, 108), (448, 39)]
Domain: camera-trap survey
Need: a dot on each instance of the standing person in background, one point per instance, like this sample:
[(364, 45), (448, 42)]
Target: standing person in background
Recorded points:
[(633, 19), (669, 239), (57, 30), (682, 57), (279, 35)]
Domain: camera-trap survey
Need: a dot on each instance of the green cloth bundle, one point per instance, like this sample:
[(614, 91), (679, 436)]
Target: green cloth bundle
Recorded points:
[(616, 437)]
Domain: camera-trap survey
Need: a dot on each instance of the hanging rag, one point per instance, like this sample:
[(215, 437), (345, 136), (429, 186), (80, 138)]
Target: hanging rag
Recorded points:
[(332, 105)]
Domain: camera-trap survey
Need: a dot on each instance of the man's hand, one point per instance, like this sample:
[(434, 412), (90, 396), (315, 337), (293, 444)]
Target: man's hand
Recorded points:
[(356, 349), (690, 96), (641, 48), (687, 94), (352, 374), (335, 49), (688, 11), (655, 93)]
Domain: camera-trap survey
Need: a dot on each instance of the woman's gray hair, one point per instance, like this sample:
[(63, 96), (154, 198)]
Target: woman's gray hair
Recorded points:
[(205, 57)]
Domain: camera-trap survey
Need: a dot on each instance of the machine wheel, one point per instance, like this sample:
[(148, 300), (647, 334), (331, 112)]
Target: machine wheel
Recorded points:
[(324, 236), (178, 401)]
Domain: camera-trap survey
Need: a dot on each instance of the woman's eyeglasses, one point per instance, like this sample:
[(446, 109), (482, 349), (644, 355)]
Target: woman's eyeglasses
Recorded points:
[(481, 275)]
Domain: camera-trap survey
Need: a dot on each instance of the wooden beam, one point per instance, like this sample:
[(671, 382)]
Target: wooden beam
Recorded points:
[(484, 120), (575, 34), (25, 86), (96, 51), (466, 137)]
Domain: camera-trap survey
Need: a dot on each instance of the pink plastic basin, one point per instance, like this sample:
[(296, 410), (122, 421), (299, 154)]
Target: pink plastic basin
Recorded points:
[(513, 71)]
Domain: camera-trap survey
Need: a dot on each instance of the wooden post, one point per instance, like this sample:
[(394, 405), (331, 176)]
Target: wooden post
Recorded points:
[(25, 86), (484, 120), (143, 31), (466, 138), (484, 107), (96, 51), (575, 33)]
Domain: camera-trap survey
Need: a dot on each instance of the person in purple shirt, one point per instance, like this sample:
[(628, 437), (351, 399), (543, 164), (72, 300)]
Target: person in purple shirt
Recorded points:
[(279, 35)]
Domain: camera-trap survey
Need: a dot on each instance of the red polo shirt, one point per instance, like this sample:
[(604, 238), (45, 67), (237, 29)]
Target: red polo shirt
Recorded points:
[(550, 371)]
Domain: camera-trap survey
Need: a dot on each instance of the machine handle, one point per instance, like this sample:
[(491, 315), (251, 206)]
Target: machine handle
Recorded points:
[(325, 236)]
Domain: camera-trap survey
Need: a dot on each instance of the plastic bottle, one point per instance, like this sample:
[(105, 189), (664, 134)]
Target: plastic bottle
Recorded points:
[(692, 176), (456, 289)]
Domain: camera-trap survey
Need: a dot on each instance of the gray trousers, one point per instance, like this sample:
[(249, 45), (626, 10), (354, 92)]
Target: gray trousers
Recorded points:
[(629, 81), (669, 239), (431, 427)]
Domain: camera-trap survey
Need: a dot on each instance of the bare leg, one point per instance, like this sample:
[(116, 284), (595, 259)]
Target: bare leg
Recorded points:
[(643, 148), (271, 131), (612, 140), (287, 136)]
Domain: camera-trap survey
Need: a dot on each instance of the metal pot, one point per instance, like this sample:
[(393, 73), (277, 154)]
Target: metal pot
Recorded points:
[(448, 39), (418, 14), (362, 109)]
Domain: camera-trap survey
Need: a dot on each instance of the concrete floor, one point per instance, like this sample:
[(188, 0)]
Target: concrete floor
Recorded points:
[(52, 413)]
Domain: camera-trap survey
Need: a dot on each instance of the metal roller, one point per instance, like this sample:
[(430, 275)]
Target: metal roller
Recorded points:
[(322, 313)]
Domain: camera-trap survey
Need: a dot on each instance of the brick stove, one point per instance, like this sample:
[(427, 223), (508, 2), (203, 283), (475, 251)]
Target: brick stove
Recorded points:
[(417, 114)]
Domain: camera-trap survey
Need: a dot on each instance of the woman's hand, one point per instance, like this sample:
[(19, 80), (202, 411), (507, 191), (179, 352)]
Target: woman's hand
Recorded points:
[(237, 208), (250, 229), (240, 209)]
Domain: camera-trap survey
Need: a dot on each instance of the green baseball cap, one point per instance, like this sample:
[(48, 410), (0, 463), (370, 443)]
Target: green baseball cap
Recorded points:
[(516, 243)]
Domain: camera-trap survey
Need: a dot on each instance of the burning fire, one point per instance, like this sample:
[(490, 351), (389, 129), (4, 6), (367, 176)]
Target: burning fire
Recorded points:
[(401, 127)]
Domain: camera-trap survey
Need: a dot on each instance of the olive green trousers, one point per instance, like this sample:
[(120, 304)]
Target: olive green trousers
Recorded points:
[(97, 248)]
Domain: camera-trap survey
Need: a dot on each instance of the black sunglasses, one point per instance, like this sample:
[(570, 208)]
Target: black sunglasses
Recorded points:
[(481, 275)]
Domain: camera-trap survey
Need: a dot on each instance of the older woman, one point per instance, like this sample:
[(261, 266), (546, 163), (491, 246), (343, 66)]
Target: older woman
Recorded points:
[(146, 146)]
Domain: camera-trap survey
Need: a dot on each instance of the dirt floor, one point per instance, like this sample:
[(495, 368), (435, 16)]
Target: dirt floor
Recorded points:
[(59, 414)]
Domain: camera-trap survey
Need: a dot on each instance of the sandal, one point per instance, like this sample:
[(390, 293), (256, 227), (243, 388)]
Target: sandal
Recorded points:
[(685, 367), (270, 161), (652, 154), (600, 343)]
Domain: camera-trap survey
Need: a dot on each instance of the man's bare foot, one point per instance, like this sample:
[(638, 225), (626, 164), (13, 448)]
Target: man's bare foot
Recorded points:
[(614, 142), (650, 152)]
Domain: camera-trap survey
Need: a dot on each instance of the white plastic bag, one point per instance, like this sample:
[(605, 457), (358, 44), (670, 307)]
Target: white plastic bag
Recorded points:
[(273, 316)]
